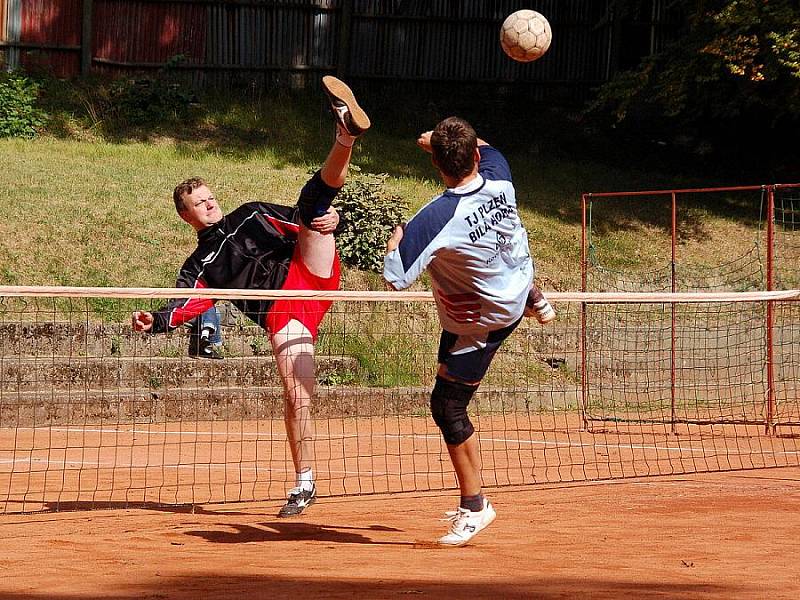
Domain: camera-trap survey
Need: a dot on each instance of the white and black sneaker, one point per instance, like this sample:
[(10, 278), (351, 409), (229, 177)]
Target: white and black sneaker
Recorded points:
[(298, 500), (537, 306), (350, 117), (466, 524), (203, 348)]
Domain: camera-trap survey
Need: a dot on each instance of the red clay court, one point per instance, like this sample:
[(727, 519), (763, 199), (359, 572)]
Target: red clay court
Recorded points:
[(650, 451), (722, 535), (713, 535)]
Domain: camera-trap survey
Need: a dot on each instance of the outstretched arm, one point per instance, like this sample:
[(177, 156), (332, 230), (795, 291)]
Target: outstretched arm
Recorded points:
[(173, 315), (177, 311)]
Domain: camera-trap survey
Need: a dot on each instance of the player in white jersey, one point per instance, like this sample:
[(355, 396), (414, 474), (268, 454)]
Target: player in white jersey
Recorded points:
[(471, 241)]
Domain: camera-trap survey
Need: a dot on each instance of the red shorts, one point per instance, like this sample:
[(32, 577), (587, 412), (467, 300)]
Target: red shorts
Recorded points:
[(309, 312)]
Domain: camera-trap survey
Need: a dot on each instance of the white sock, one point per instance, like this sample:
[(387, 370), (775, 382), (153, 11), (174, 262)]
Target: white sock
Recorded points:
[(305, 480)]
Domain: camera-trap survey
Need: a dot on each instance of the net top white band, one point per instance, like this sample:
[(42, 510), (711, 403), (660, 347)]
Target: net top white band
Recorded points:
[(382, 296)]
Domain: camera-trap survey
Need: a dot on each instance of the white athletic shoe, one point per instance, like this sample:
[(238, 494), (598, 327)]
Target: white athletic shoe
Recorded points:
[(542, 310), (536, 305), (465, 524)]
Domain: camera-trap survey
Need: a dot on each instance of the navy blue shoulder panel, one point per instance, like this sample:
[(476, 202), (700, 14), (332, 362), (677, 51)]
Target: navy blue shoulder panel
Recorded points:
[(493, 165), (425, 226)]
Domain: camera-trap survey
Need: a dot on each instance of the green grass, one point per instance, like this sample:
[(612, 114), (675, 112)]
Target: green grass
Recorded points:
[(92, 205), (385, 341)]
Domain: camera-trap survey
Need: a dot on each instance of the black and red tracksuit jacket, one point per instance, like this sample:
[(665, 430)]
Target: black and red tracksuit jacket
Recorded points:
[(250, 248)]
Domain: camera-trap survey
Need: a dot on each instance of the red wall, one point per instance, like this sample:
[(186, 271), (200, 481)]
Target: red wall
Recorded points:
[(52, 22), (123, 31), (149, 33)]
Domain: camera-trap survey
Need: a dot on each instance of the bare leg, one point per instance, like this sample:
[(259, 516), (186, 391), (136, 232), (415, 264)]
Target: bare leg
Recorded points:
[(467, 463), (475, 513), (294, 354), (294, 345), (334, 169), (317, 251)]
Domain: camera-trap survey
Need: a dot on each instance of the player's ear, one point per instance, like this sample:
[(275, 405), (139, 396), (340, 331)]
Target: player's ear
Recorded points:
[(182, 210), (477, 155)]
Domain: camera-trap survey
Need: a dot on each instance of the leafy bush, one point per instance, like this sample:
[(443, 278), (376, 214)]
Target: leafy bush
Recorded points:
[(117, 106), (149, 101), (733, 76), (19, 115), (368, 214)]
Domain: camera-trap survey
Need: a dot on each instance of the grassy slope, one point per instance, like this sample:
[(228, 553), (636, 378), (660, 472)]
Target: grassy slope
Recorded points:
[(99, 212)]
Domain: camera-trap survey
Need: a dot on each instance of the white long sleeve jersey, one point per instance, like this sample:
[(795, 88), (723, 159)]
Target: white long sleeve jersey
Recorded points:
[(473, 244)]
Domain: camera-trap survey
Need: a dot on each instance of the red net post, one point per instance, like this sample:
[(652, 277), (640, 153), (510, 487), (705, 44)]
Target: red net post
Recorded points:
[(769, 426)]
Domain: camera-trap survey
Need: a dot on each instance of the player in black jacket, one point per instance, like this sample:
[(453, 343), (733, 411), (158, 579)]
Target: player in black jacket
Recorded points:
[(271, 247)]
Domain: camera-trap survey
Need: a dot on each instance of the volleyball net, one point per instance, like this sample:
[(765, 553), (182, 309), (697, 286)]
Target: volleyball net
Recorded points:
[(620, 385)]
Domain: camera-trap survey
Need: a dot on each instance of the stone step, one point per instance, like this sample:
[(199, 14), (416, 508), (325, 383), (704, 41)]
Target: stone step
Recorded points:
[(18, 373), (198, 403), (201, 403)]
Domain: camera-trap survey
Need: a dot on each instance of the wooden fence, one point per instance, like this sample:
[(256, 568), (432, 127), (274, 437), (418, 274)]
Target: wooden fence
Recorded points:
[(221, 42)]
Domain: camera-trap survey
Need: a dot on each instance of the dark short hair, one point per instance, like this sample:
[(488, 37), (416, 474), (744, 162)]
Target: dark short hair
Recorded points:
[(185, 187), (453, 144)]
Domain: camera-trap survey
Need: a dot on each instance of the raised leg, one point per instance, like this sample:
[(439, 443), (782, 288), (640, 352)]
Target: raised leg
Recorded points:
[(316, 249)]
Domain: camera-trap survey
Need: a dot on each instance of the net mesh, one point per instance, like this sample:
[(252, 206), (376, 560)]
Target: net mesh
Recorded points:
[(787, 238), (93, 415), (699, 265), (685, 256), (719, 353)]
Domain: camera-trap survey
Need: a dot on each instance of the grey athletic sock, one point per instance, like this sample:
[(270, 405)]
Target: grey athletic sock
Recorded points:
[(473, 503)]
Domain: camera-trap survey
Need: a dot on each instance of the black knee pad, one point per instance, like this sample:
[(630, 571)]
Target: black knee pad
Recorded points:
[(315, 199), (449, 401)]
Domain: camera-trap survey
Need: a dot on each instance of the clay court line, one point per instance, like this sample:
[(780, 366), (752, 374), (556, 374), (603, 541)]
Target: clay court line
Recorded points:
[(237, 434), (564, 444), (52, 461), (234, 436), (593, 445), (637, 447), (194, 466)]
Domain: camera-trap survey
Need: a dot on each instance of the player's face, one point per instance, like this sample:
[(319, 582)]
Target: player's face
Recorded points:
[(200, 208)]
